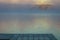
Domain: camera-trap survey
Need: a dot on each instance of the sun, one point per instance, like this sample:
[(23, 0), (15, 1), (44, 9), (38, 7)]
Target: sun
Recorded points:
[(38, 2)]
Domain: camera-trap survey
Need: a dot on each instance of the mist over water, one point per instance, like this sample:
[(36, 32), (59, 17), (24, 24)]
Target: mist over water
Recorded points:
[(23, 19), (30, 23)]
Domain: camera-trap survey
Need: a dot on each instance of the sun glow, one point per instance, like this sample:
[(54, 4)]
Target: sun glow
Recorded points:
[(39, 2)]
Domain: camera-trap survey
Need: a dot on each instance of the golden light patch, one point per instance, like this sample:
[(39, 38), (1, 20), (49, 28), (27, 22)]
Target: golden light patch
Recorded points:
[(38, 2), (41, 23)]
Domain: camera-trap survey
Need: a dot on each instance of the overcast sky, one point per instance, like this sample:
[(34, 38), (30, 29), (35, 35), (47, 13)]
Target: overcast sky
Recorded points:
[(26, 1)]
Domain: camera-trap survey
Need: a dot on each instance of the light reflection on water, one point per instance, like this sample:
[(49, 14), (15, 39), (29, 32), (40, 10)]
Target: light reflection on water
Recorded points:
[(30, 23)]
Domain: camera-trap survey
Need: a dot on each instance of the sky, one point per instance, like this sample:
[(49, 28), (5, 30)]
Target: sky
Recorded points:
[(16, 1), (28, 6), (54, 2)]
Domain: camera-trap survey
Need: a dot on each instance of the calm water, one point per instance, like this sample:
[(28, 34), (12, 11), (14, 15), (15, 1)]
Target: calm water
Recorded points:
[(30, 21)]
